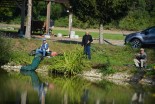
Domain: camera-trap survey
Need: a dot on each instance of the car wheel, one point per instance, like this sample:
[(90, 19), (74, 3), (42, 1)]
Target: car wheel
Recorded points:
[(136, 43)]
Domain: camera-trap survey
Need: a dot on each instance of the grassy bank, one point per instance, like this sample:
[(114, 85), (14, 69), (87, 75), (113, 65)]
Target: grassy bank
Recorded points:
[(107, 58)]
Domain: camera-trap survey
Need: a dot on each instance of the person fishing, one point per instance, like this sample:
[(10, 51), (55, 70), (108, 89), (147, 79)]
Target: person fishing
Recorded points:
[(86, 42), (140, 58), (43, 49)]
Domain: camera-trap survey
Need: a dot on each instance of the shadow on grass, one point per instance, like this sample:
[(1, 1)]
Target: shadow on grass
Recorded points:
[(10, 34), (14, 34), (69, 41)]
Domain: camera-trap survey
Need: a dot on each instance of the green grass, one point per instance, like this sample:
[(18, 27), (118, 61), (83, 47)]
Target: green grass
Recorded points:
[(94, 34), (107, 58), (70, 63), (80, 33)]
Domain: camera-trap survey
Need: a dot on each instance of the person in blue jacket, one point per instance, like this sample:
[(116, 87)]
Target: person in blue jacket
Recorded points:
[(43, 49)]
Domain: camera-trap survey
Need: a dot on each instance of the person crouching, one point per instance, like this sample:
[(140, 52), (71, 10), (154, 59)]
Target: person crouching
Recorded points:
[(140, 58)]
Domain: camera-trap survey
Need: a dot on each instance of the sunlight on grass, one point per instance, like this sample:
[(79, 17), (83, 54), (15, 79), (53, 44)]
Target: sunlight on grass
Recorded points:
[(94, 34)]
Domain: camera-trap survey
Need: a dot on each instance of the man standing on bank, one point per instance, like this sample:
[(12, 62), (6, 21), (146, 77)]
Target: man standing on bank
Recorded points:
[(86, 42)]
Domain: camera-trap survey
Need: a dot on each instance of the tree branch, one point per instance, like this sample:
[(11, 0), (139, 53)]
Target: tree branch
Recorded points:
[(18, 4)]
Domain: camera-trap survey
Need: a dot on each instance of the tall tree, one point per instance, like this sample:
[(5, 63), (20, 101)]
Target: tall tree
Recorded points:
[(103, 11), (29, 16)]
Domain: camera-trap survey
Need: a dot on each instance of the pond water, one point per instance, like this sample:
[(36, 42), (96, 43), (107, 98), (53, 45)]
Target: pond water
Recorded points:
[(32, 88)]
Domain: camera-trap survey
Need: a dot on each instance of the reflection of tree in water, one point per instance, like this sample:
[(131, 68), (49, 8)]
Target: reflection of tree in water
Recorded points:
[(143, 94), (84, 98), (138, 96)]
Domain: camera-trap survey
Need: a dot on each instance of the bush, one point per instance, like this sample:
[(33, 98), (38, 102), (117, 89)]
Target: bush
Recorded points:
[(20, 58), (61, 22), (70, 63), (135, 20), (4, 50)]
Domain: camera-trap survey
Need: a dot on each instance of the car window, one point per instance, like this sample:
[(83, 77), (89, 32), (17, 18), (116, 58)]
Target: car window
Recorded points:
[(152, 31)]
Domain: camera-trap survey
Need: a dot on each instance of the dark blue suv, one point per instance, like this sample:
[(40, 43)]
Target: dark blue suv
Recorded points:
[(145, 37)]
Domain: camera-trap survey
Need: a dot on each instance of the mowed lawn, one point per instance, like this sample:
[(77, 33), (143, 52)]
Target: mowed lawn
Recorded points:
[(94, 34)]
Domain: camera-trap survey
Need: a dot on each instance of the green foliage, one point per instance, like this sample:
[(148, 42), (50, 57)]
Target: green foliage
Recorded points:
[(57, 11), (39, 10), (136, 20), (4, 49), (62, 22), (107, 58), (150, 73), (110, 59), (5, 14), (102, 11), (88, 14), (20, 58), (70, 63)]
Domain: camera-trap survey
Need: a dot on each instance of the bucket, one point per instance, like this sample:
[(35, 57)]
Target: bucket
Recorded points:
[(54, 53)]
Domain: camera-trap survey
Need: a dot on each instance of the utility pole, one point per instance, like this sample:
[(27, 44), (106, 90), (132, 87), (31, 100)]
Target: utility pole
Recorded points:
[(70, 20), (101, 34), (29, 16)]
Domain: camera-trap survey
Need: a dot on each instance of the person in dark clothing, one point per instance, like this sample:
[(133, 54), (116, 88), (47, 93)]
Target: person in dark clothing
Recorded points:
[(86, 42)]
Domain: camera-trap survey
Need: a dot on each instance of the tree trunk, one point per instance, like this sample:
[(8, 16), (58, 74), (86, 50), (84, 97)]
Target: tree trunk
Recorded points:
[(48, 17), (101, 34), (29, 16), (23, 97), (22, 18), (70, 23)]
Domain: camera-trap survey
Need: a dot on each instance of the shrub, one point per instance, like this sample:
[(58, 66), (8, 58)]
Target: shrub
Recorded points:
[(70, 63), (20, 58), (135, 20), (61, 22), (4, 50)]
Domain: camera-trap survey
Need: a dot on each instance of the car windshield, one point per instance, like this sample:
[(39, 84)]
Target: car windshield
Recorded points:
[(146, 30)]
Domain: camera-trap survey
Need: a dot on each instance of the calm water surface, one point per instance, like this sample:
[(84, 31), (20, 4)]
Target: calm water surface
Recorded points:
[(31, 88)]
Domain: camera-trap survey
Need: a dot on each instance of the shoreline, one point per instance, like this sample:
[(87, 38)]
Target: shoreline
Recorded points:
[(93, 75)]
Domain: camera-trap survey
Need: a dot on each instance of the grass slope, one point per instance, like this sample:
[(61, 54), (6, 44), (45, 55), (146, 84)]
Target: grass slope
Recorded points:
[(108, 58)]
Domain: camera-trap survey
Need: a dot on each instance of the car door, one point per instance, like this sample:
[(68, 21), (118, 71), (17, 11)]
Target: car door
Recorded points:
[(149, 37), (152, 35)]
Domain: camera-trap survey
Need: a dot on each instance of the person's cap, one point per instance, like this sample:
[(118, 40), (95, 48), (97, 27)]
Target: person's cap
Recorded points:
[(142, 49), (44, 39)]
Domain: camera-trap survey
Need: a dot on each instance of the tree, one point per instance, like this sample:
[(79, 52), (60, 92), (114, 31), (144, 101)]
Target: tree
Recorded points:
[(102, 11), (28, 25)]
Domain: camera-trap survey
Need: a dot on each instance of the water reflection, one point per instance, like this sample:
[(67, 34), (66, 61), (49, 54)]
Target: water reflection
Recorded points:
[(30, 88), (38, 86), (138, 95), (84, 98)]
